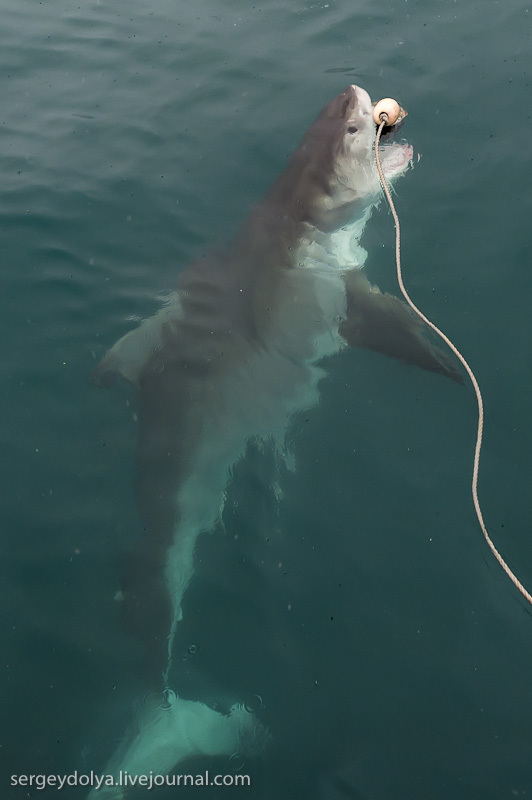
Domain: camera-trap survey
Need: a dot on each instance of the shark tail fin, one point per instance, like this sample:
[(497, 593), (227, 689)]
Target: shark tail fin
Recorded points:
[(168, 731)]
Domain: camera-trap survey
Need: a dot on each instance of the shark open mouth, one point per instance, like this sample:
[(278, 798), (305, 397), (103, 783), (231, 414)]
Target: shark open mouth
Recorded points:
[(396, 158)]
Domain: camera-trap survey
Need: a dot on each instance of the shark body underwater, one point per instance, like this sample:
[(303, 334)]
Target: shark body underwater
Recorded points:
[(229, 359)]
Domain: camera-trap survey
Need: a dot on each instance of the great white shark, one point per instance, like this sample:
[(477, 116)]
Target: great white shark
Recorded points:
[(230, 358)]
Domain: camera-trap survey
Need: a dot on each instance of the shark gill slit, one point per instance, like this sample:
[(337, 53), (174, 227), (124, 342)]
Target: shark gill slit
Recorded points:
[(474, 488)]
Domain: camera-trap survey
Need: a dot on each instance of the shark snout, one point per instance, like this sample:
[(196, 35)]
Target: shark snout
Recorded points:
[(363, 100)]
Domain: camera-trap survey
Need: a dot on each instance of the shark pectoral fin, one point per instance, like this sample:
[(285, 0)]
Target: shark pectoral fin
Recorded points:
[(129, 356), (383, 323), (121, 360)]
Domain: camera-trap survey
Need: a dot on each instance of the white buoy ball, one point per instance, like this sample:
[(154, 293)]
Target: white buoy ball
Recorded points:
[(387, 106)]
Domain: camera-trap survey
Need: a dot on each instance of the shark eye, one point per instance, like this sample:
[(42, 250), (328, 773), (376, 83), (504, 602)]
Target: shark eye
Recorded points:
[(352, 129)]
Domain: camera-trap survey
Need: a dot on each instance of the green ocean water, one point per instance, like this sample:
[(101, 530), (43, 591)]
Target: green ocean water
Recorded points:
[(392, 655)]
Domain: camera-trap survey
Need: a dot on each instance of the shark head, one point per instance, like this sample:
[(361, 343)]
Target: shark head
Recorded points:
[(347, 124), (332, 178)]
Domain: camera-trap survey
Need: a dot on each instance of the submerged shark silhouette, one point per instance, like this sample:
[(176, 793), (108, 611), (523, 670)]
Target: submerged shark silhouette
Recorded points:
[(232, 356)]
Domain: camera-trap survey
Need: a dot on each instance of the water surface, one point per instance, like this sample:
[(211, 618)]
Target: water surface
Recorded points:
[(388, 647)]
